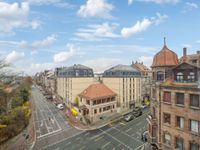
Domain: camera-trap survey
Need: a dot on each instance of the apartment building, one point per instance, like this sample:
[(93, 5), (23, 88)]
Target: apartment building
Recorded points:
[(125, 81), (97, 102), (72, 80), (174, 122), (146, 79)]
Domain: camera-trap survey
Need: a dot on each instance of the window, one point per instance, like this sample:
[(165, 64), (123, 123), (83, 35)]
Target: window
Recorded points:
[(180, 98), (113, 106), (167, 118), (167, 97), (191, 77), (194, 100), (160, 76), (194, 126), (179, 77), (179, 143), (167, 138), (88, 102), (180, 122), (95, 111), (99, 109), (94, 102), (194, 146)]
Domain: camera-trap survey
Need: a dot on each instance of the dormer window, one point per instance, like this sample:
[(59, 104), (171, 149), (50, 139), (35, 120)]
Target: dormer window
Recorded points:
[(179, 77), (191, 77)]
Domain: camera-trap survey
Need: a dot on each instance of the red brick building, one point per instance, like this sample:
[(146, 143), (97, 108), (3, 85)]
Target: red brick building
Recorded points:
[(174, 122)]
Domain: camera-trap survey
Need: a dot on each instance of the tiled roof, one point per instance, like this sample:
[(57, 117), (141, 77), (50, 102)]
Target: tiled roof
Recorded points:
[(165, 57), (96, 91)]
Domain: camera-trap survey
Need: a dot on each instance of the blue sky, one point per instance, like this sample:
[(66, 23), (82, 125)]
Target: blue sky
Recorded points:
[(43, 34)]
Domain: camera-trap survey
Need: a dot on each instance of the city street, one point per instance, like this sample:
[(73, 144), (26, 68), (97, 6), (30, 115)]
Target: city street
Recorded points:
[(50, 123), (116, 136)]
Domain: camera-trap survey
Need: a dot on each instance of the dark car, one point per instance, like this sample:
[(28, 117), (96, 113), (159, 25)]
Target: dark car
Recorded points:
[(144, 136), (137, 112)]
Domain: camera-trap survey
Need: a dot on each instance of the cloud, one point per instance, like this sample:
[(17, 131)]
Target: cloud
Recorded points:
[(57, 3), (97, 32), (14, 16), (96, 8), (138, 27), (14, 56), (160, 1), (189, 7), (147, 60), (101, 64), (143, 25), (187, 45), (130, 2), (38, 44), (65, 55)]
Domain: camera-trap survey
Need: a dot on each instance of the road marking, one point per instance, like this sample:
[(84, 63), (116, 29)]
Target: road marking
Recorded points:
[(122, 123), (87, 134), (83, 147), (63, 140), (128, 129), (116, 139), (68, 143), (48, 133), (98, 138), (139, 124), (105, 145), (127, 134)]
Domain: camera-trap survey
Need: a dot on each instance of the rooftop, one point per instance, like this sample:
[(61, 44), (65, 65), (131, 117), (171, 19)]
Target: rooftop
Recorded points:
[(121, 70), (96, 91)]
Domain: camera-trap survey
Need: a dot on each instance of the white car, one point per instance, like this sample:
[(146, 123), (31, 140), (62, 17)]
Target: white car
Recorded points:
[(60, 106)]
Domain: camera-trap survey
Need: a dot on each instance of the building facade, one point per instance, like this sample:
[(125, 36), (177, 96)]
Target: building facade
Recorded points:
[(97, 102), (146, 80), (125, 81), (174, 122), (71, 81)]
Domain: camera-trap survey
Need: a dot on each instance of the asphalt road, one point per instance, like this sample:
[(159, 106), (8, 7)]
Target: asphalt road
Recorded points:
[(116, 136), (50, 123)]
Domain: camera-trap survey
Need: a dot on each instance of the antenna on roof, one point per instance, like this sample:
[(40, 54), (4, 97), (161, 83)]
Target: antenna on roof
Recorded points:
[(164, 41)]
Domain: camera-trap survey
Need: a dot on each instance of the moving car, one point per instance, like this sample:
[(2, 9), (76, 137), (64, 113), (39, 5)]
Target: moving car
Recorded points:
[(128, 117)]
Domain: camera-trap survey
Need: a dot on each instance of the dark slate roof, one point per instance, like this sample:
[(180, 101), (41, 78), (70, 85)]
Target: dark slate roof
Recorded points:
[(76, 70), (121, 71)]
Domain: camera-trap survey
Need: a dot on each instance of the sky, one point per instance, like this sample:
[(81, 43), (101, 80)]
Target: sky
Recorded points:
[(36, 35)]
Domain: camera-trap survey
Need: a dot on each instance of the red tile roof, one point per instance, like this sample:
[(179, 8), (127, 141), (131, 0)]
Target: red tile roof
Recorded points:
[(165, 57), (96, 91)]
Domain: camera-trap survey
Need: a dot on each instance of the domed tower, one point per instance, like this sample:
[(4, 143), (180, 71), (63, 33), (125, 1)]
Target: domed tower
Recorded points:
[(163, 62)]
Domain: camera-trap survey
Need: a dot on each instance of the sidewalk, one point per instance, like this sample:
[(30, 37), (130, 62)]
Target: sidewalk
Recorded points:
[(76, 123)]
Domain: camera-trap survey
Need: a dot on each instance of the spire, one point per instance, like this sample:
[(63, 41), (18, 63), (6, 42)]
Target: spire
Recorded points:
[(164, 41)]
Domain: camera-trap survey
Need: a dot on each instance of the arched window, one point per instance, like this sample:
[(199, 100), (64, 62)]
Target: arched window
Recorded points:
[(179, 77), (191, 77), (160, 76)]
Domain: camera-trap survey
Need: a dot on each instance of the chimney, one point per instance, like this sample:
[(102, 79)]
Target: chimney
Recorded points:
[(198, 52), (184, 54)]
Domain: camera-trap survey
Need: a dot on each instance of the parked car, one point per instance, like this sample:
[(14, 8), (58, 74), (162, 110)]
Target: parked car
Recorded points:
[(49, 97), (60, 106), (128, 117), (144, 136), (137, 111)]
